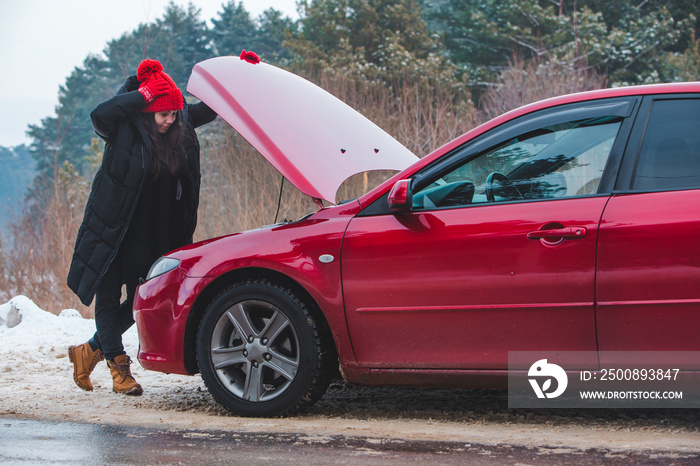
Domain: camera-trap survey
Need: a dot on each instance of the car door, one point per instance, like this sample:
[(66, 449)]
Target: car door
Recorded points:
[(649, 256), (498, 252)]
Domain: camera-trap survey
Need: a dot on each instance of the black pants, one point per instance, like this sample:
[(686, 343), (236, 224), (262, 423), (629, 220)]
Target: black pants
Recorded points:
[(112, 317)]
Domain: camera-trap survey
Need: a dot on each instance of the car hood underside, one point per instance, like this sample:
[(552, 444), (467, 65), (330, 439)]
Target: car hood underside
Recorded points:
[(315, 140)]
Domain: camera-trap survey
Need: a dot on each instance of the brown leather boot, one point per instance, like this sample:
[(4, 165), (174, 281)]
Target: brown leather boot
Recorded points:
[(84, 360), (123, 381)]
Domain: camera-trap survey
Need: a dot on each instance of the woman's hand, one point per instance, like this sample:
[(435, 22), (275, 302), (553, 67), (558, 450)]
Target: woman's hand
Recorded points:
[(154, 89)]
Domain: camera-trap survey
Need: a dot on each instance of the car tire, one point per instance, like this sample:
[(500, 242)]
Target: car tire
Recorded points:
[(263, 351)]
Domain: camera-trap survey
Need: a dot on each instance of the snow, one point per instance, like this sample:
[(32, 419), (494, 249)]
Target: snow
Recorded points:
[(36, 375), (41, 339), (47, 331)]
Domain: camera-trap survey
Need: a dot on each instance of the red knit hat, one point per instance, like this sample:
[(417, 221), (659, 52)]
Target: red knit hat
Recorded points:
[(151, 71)]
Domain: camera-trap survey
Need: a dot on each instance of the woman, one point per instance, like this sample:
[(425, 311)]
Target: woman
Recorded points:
[(143, 203)]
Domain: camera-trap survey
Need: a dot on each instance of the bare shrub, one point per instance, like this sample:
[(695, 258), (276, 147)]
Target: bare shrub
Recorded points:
[(524, 82), (421, 113), (240, 189), (5, 274), (42, 245)]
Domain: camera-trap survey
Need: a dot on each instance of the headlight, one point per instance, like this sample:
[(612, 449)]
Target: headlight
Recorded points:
[(161, 266)]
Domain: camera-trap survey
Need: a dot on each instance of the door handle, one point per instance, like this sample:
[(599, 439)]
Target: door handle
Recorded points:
[(557, 234)]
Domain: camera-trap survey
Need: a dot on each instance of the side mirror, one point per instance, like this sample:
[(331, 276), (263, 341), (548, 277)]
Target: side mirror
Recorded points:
[(401, 197)]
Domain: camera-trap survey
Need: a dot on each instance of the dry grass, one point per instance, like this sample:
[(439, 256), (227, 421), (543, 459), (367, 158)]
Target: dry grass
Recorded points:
[(39, 247), (240, 189), (524, 82)]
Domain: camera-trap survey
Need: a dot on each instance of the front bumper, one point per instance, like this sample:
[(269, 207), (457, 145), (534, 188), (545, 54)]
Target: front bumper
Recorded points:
[(161, 311)]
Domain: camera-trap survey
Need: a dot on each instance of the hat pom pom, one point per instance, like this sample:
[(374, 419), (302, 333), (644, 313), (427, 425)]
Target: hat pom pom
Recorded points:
[(147, 68)]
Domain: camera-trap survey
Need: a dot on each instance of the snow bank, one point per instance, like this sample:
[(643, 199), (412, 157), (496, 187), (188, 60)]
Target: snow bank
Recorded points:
[(48, 333), (36, 376)]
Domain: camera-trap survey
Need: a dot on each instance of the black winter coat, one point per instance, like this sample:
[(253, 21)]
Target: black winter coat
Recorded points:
[(119, 181)]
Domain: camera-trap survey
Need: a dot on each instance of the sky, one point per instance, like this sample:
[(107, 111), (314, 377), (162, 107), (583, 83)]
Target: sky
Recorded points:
[(43, 41)]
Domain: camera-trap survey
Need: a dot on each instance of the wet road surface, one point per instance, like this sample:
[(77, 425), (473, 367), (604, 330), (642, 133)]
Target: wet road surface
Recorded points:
[(43, 442)]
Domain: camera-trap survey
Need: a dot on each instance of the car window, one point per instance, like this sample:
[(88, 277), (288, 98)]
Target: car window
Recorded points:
[(551, 162), (669, 157)]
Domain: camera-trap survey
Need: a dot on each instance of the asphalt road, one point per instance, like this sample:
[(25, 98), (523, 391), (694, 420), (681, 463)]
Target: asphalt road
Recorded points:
[(41, 442)]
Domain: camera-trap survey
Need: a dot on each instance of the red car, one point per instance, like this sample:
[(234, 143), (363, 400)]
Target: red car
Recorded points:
[(571, 224)]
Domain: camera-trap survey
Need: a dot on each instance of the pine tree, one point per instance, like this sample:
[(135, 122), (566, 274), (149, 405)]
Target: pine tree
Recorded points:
[(234, 30), (626, 40), (378, 38)]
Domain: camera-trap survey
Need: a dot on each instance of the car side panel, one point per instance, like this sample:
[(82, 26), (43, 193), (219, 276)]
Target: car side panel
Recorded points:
[(459, 288)]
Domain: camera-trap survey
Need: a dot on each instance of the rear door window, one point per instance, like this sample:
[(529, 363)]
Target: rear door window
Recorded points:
[(669, 156)]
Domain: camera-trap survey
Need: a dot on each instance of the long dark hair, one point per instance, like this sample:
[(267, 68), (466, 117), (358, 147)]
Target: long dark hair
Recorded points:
[(164, 147)]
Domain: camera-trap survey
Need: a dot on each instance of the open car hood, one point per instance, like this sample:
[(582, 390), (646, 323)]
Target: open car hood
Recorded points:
[(315, 140)]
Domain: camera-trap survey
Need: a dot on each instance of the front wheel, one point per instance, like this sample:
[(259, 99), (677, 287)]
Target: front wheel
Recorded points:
[(262, 351)]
